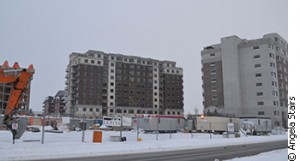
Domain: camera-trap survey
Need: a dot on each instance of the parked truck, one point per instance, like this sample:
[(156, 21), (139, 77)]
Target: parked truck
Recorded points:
[(255, 125)]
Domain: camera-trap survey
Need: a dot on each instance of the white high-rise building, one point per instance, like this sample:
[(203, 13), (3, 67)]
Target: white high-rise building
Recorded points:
[(247, 78)]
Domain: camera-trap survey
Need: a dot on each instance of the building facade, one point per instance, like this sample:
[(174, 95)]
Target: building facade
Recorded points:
[(247, 77), (104, 84), (55, 105)]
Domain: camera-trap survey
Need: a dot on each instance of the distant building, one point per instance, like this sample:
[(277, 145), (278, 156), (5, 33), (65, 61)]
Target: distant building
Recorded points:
[(5, 89), (247, 77), (55, 105), (103, 84)]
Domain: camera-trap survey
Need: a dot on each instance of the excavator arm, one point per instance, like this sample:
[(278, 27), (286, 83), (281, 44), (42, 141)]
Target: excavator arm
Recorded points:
[(19, 82)]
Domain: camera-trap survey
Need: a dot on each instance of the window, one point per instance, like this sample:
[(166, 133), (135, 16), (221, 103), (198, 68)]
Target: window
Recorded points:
[(97, 110), (255, 47), (280, 85), (258, 75), (213, 88), (274, 83), (93, 61), (111, 84), (256, 56), (212, 54), (111, 97), (261, 113), (86, 61), (214, 97), (257, 65), (84, 109), (259, 84), (91, 109), (99, 62), (213, 80), (259, 93), (111, 103), (213, 72), (260, 103)]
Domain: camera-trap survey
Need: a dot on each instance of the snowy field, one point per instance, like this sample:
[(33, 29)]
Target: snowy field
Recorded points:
[(69, 144)]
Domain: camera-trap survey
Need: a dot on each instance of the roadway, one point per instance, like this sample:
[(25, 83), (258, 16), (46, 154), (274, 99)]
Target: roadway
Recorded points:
[(203, 154)]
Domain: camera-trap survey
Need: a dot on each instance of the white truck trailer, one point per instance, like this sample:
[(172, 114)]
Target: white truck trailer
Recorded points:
[(218, 124)]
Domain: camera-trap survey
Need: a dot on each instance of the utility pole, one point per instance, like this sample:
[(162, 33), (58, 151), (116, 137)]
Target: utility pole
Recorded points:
[(121, 127), (157, 129), (137, 128), (43, 127)]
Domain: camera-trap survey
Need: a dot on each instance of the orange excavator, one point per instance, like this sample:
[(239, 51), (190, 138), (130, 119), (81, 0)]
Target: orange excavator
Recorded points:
[(19, 78)]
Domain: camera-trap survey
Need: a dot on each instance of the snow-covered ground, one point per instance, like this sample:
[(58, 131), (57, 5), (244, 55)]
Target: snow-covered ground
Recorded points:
[(69, 144), (276, 155)]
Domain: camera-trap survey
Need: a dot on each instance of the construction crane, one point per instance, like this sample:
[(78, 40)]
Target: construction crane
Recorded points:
[(19, 78)]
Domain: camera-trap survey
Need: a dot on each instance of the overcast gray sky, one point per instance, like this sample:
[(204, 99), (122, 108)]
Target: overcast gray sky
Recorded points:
[(44, 33)]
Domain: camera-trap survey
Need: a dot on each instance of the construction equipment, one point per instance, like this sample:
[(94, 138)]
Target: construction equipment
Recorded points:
[(19, 78)]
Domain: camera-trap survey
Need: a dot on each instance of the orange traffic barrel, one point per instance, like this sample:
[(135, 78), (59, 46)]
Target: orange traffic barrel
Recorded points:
[(30, 121), (97, 137)]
